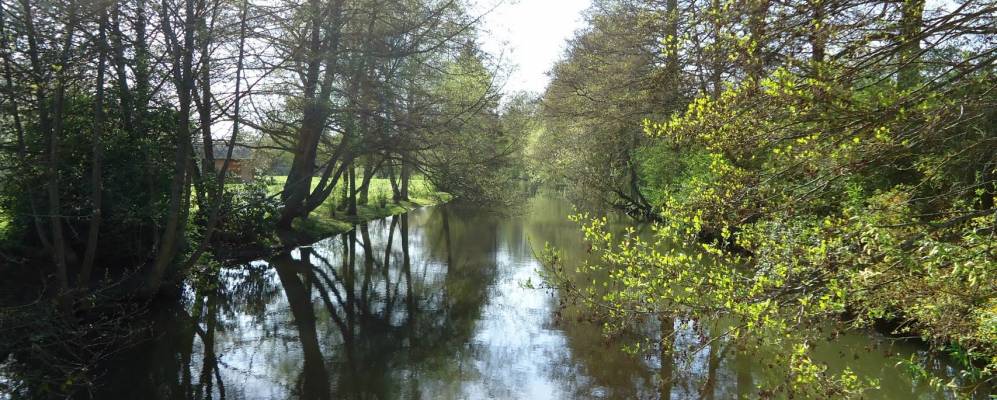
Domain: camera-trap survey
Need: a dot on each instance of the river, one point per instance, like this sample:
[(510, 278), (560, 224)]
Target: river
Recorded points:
[(431, 305)]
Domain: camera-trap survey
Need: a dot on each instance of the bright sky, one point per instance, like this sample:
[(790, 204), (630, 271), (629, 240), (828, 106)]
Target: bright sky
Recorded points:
[(530, 36)]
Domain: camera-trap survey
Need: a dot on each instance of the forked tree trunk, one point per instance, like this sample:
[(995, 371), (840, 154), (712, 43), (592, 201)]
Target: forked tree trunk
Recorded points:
[(393, 180)]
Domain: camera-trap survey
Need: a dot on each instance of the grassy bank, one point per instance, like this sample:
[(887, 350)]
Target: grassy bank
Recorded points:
[(331, 219)]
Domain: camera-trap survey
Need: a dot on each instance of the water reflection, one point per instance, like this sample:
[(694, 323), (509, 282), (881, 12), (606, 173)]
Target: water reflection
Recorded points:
[(430, 305)]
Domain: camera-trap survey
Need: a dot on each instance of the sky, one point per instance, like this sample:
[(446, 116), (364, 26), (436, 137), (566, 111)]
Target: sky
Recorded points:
[(530, 36)]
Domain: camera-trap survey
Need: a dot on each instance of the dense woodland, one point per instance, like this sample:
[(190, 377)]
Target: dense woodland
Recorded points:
[(831, 160), (112, 115), (113, 110), (805, 166)]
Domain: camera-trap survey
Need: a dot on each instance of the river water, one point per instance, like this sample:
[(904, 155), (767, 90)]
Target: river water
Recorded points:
[(432, 305)]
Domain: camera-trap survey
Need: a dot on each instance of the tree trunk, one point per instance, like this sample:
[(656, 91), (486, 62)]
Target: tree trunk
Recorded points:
[(395, 191), (406, 174), (368, 174), (183, 80), (818, 39), (121, 69), (218, 186), (352, 199), (135, 104), (13, 110), (51, 125), (296, 196), (204, 106), (97, 179)]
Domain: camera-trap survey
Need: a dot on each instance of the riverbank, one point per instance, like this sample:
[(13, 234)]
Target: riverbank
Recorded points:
[(330, 218), (321, 225)]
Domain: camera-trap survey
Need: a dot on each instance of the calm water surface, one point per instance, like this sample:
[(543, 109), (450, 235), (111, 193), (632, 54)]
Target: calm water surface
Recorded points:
[(431, 305)]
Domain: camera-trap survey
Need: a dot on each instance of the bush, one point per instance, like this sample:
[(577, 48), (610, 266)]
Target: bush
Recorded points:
[(248, 213)]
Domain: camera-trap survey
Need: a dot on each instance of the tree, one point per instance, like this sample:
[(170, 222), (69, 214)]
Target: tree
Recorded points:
[(470, 155), (823, 172), (608, 82)]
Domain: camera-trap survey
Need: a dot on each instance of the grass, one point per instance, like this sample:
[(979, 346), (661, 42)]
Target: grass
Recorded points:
[(327, 220)]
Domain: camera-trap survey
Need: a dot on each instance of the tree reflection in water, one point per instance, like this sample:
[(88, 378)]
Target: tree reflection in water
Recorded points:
[(379, 323), (425, 305)]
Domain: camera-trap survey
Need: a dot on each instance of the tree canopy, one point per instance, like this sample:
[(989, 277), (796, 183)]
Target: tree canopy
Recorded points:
[(817, 161)]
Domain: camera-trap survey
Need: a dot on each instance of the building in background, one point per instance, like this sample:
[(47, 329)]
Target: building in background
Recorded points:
[(241, 164)]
